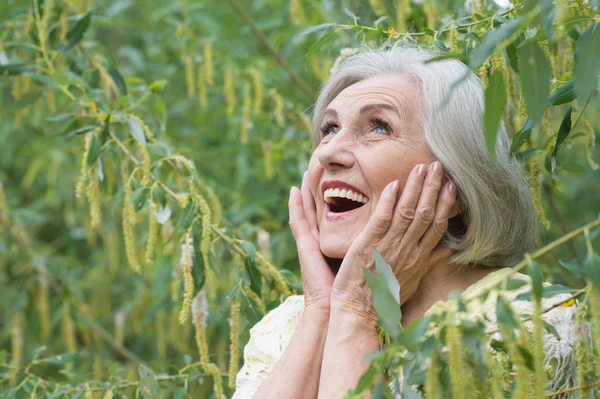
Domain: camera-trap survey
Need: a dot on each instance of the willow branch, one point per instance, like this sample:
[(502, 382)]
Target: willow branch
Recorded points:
[(537, 254), (265, 42)]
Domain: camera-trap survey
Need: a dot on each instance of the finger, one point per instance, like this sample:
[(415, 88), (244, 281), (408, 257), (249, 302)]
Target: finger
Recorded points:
[(425, 211), (405, 209), (380, 220), (310, 211), (297, 219), (445, 203)]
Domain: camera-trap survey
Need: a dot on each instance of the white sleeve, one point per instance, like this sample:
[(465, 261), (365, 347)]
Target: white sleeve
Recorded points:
[(268, 340)]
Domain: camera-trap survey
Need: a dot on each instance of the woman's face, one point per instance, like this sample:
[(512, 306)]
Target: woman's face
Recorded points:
[(370, 137)]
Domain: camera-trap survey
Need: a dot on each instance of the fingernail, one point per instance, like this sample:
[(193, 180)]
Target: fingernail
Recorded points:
[(450, 187), (395, 185), (420, 169), (436, 166)]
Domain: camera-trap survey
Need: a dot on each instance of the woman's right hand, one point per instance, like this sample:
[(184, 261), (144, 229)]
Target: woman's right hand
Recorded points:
[(317, 277)]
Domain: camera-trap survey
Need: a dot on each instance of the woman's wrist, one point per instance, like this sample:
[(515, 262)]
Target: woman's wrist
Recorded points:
[(354, 314)]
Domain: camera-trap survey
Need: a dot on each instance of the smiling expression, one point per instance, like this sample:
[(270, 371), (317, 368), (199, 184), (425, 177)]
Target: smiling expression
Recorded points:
[(370, 137)]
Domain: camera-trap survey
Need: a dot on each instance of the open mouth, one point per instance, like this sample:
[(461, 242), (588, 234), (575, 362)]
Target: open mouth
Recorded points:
[(343, 200)]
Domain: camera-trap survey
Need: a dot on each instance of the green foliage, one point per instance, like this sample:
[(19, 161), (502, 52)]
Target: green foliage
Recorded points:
[(148, 148)]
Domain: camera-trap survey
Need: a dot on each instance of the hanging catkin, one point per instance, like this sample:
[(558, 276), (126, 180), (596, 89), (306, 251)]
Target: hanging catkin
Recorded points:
[(186, 264), (268, 269), (234, 338), (297, 14), (456, 364), (268, 159), (590, 144), (199, 315), (403, 11), (3, 207), (83, 169), (129, 220), (93, 196), (202, 87), (258, 88), (432, 380), (230, 98), (43, 303), (538, 349), (190, 84), (209, 275), (152, 233), (536, 182), (582, 349), (246, 113), (208, 63)]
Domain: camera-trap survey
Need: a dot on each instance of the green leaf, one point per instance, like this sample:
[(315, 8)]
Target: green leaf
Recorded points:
[(587, 66), (106, 131), (136, 130), (95, 149), (592, 268), (148, 385), (81, 130), (537, 287), (522, 136), (535, 79), (319, 43), (384, 270), (524, 156), (367, 379), (27, 99), (42, 80), (492, 39), (513, 284), (16, 68), (37, 352), (504, 313), (59, 359), (573, 266), (75, 34), (118, 79), (563, 94), (386, 306), (495, 100), (563, 132)]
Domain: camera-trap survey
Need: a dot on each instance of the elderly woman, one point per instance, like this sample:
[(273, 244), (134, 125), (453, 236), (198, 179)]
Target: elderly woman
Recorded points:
[(393, 170)]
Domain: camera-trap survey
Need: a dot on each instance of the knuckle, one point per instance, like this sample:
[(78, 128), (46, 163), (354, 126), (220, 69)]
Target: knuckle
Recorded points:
[(406, 212), (426, 214), (440, 226), (434, 184)]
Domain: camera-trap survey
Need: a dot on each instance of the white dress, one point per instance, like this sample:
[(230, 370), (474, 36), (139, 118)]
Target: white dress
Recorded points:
[(270, 336)]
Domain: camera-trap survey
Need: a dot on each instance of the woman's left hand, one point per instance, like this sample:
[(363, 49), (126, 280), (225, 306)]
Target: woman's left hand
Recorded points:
[(406, 232)]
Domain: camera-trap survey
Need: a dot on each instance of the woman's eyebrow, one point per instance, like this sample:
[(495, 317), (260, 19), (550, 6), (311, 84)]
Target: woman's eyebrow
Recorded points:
[(364, 108), (369, 107)]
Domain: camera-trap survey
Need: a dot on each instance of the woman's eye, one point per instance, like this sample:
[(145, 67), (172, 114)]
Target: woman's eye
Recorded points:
[(380, 126), (328, 130), (379, 129)]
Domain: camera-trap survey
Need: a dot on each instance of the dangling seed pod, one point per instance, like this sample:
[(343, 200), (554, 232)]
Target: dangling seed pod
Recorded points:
[(430, 13), (432, 380), (205, 246), (403, 10), (234, 337), (278, 106), (68, 328), (378, 7), (254, 297), (297, 14)]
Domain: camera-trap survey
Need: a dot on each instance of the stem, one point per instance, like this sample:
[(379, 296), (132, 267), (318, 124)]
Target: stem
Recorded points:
[(540, 252), (265, 42)]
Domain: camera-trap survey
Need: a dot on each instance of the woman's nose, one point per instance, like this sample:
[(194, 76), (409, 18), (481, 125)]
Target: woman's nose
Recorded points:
[(336, 153)]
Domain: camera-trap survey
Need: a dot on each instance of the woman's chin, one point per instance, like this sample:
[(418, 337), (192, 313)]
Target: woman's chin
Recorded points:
[(335, 250)]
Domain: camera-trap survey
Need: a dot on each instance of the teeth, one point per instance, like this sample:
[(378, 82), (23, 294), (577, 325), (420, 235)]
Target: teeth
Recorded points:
[(344, 193)]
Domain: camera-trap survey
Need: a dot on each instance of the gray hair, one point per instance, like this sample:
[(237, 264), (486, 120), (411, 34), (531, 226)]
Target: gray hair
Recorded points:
[(498, 220)]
